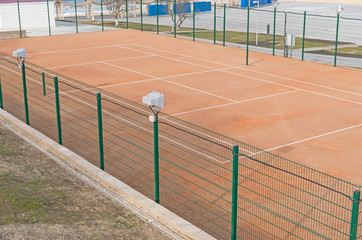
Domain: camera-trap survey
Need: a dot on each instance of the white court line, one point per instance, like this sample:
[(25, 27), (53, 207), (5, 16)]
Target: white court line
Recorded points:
[(87, 63), (254, 78), (183, 55), (300, 81), (304, 90), (125, 120), (160, 78), (198, 132), (150, 79), (307, 139), (77, 49), (227, 104), (170, 58)]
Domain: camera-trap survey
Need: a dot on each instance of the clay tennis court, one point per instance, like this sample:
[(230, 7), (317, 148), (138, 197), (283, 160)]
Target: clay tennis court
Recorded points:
[(307, 112)]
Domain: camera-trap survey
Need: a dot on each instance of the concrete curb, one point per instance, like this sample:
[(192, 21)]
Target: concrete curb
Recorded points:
[(173, 224)]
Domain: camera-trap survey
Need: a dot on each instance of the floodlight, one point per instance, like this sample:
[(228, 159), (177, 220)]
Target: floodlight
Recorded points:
[(339, 9), (154, 100), (275, 4), (20, 54)]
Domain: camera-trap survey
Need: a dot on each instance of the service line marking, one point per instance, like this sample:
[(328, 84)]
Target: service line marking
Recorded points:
[(125, 120), (254, 78)]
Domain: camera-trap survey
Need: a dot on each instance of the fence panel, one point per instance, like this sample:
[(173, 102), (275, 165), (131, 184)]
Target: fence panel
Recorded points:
[(277, 198)]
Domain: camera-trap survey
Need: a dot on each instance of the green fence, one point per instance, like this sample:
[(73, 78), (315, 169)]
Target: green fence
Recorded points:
[(227, 188), (265, 29)]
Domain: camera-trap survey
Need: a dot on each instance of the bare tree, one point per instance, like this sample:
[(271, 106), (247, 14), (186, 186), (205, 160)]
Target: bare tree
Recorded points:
[(182, 11), (115, 8)]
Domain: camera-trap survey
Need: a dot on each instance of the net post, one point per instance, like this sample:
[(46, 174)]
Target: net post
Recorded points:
[(76, 16), (354, 218), (141, 15), (1, 96), (127, 14), (57, 107), (50, 32), (156, 160), (305, 19), (102, 15), (174, 18), (193, 21), (158, 30), (234, 210), (275, 19), (43, 81), (214, 23), (336, 44), (100, 131), (25, 94), (247, 38), (223, 29), (21, 35)]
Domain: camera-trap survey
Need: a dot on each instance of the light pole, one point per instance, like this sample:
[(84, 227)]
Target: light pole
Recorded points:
[(275, 4), (257, 21), (339, 10)]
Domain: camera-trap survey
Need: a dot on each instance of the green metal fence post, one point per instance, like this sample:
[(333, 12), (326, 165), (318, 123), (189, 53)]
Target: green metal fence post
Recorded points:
[(127, 14), (44, 87), (76, 16), (275, 19), (193, 21), (214, 23), (141, 15), (157, 18), (354, 218), (25, 94), (174, 18), (336, 45), (305, 19), (50, 32), (21, 35), (102, 15), (234, 210), (223, 28), (156, 160), (57, 107), (1, 96), (247, 38), (100, 131)]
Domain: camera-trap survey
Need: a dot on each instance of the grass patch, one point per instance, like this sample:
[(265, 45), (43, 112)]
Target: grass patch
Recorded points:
[(4, 150), (21, 201), (264, 40)]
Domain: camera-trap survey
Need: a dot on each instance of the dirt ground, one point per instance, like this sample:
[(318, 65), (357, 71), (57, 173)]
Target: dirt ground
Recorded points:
[(41, 200)]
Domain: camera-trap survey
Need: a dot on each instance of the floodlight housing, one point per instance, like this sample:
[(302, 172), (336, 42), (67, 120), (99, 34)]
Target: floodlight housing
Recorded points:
[(20, 53), (339, 9), (275, 4), (154, 99)]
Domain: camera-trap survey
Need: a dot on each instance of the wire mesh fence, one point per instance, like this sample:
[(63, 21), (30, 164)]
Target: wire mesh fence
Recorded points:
[(252, 194), (316, 37)]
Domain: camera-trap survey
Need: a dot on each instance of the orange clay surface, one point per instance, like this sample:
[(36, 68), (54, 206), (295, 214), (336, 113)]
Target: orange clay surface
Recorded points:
[(307, 112)]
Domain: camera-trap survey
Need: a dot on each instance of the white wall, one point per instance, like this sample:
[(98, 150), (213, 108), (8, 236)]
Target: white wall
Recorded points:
[(32, 15)]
